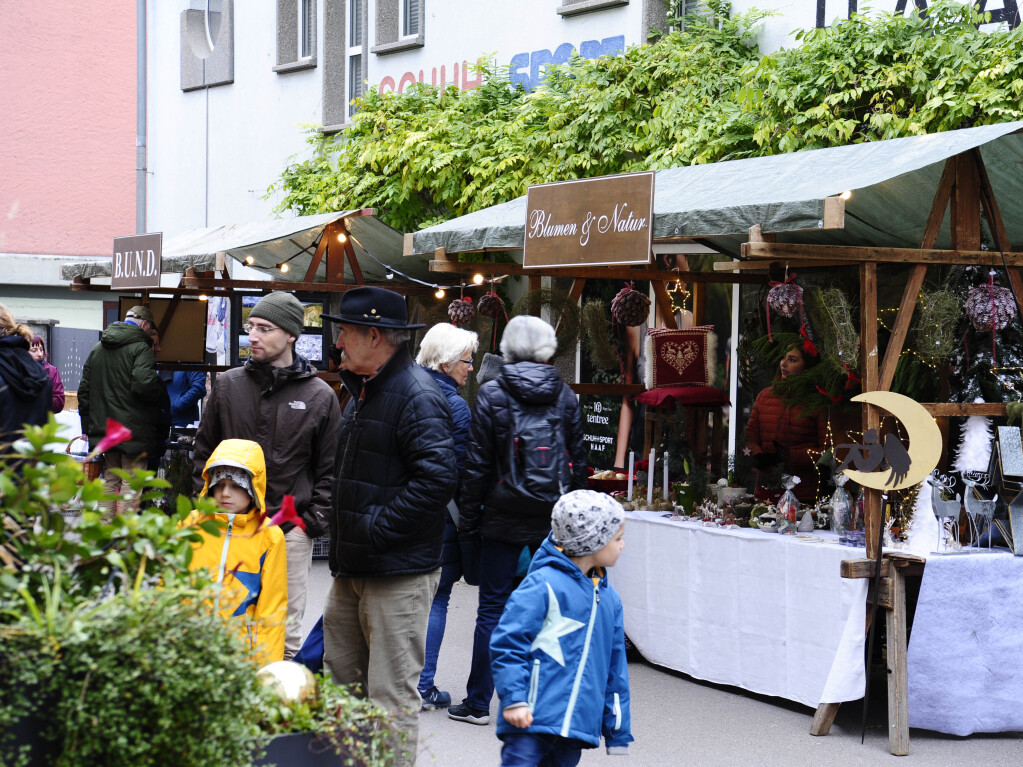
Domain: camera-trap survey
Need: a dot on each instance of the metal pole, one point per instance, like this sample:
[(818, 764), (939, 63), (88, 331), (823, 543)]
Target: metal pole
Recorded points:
[(140, 116)]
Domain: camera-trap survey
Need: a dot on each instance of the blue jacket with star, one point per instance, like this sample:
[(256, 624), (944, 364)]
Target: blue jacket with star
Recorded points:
[(560, 648)]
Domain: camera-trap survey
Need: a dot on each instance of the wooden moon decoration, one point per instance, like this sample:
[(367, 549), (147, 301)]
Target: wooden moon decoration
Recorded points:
[(924, 440)]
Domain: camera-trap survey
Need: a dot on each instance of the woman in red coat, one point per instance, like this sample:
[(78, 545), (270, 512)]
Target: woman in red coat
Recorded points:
[(777, 433)]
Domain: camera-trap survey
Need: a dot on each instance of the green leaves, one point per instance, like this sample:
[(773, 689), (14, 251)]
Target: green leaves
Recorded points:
[(699, 94)]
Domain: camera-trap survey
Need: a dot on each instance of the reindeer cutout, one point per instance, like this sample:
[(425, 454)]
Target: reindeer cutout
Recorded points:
[(947, 512)]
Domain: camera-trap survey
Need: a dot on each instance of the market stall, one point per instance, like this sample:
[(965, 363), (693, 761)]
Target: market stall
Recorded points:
[(887, 212)]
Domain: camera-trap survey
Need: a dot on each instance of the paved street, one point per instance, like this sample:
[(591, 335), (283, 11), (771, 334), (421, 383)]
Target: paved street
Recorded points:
[(678, 721)]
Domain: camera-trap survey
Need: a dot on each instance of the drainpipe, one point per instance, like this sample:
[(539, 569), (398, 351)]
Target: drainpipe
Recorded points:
[(140, 116)]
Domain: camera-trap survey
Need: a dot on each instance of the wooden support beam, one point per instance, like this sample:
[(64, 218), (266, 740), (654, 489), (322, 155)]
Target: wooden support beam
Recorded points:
[(863, 568), (207, 285), (870, 376), (165, 321), (824, 718), (939, 205), (898, 689), (593, 272), (901, 328), (763, 266), (574, 293), (965, 221), (790, 252), (353, 260), (610, 389), (321, 247), (664, 304), (964, 409)]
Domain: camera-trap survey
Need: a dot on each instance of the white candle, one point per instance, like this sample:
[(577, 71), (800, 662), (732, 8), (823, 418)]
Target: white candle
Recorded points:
[(664, 494), (632, 463), (650, 479)]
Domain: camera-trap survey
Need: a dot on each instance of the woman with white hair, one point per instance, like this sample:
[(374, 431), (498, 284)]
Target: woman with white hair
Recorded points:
[(446, 353), (511, 528)]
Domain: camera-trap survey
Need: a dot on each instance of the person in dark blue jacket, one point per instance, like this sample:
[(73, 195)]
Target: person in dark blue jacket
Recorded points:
[(446, 353), (508, 535), (186, 388), (558, 652)]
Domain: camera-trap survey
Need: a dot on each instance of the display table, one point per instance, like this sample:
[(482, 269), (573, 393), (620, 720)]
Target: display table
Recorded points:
[(765, 612)]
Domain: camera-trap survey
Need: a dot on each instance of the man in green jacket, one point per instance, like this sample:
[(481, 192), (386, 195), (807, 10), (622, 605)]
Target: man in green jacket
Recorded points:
[(120, 381)]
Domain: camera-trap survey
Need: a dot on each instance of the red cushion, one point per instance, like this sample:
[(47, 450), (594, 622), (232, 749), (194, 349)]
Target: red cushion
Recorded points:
[(694, 396), (682, 357)]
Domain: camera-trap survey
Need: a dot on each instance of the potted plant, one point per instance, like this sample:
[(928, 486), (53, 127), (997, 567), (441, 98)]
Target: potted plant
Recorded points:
[(109, 654)]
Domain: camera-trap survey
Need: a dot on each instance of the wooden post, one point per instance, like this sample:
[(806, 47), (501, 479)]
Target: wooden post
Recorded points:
[(871, 416), (898, 690)]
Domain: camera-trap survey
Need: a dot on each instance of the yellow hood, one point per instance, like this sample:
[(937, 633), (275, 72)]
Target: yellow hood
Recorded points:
[(243, 454)]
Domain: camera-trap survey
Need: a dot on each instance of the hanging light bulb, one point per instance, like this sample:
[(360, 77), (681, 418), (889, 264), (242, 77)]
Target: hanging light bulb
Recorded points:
[(250, 260), (284, 268), (846, 195), (440, 293), (389, 275), (203, 297), (341, 236), (477, 278)]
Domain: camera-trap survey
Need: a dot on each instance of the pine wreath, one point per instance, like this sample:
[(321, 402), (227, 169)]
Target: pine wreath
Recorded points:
[(560, 306), (597, 335)]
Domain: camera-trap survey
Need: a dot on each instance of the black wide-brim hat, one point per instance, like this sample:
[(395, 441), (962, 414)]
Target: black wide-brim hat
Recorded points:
[(373, 307)]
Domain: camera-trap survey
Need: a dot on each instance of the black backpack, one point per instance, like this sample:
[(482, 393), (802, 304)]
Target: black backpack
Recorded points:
[(533, 464)]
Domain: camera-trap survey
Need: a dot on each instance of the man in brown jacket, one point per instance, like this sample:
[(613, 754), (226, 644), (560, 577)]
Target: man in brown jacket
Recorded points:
[(276, 400)]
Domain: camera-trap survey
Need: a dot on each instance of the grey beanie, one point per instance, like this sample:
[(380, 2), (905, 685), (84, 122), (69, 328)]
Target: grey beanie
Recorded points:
[(584, 521), (283, 310)]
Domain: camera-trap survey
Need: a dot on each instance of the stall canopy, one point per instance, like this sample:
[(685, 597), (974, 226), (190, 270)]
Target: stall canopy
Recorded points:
[(891, 185), (270, 243)]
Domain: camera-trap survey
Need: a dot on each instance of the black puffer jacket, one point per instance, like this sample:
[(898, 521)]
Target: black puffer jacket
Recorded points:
[(394, 473), (530, 383), (25, 391)]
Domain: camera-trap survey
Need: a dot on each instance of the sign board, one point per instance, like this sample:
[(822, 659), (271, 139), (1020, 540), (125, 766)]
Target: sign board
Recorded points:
[(137, 261), (590, 222)]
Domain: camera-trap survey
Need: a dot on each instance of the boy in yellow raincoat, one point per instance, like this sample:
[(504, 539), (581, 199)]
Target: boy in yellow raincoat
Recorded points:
[(248, 558)]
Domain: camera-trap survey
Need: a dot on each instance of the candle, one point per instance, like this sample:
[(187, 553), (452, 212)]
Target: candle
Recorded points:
[(650, 479), (664, 493), (632, 462)]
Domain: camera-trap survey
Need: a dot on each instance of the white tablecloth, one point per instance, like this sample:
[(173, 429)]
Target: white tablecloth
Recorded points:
[(965, 653), (766, 612)]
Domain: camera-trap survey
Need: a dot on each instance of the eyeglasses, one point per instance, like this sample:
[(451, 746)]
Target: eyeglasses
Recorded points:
[(467, 363), (259, 330)]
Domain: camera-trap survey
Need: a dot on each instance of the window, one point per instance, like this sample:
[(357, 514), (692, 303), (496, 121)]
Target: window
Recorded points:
[(306, 28), (356, 73), (409, 18)]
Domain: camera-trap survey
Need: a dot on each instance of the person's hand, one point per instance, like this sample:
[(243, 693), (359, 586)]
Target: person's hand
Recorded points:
[(520, 716), (764, 461)]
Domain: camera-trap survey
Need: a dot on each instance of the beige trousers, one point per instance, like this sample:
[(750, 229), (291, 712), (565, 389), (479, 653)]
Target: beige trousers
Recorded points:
[(299, 550), (114, 484), (374, 634)]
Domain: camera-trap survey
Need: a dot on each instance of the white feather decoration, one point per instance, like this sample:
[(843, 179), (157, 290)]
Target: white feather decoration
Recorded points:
[(974, 453)]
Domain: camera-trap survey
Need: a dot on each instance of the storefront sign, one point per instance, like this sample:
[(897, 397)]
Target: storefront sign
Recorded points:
[(590, 222), (137, 261)]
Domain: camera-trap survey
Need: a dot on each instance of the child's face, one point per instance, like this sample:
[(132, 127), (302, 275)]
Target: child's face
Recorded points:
[(608, 555), (231, 497)]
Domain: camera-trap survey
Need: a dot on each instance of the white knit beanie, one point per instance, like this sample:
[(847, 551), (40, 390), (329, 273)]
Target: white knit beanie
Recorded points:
[(584, 521)]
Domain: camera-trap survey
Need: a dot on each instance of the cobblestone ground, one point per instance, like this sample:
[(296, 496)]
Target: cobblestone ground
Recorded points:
[(677, 721)]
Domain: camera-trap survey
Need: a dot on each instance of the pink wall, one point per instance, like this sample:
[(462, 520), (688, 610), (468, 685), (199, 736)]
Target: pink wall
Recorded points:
[(67, 126)]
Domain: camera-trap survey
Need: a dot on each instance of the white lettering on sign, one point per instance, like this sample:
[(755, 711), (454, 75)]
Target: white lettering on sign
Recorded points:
[(135, 263), (541, 225), (596, 419)]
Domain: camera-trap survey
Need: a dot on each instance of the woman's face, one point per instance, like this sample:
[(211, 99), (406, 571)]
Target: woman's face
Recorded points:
[(37, 352), (459, 369), (792, 363)]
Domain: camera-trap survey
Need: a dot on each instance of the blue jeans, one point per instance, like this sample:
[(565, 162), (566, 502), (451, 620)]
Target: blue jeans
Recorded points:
[(450, 572), (498, 564), (529, 749)]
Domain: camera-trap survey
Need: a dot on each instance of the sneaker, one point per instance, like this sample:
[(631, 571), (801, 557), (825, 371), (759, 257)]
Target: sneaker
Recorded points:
[(434, 698), (462, 713)]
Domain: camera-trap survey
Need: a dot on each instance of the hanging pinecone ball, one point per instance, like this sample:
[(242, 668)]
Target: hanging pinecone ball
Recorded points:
[(785, 298), (461, 311), (979, 303), (630, 307), (491, 306)]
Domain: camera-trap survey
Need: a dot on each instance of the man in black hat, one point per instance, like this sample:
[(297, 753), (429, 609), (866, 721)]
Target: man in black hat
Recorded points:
[(120, 381), (394, 476), (277, 401)]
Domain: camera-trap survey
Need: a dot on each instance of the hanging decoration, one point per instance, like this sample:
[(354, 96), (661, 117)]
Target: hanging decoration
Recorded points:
[(491, 306), (630, 307), (935, 336), (461, 311), (786, 298), (990, 307), (832, 316)]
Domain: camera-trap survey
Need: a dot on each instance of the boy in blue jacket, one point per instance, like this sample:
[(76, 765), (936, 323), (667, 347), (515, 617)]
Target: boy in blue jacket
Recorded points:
[(558, 652)]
